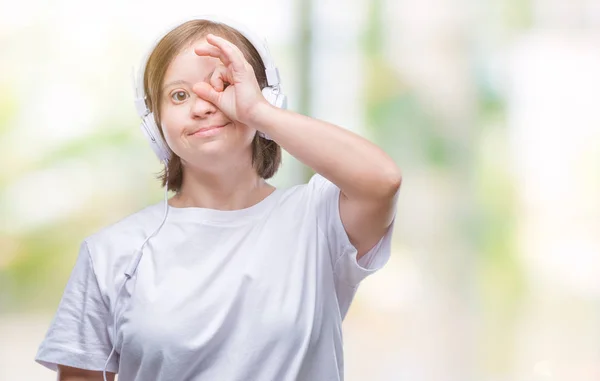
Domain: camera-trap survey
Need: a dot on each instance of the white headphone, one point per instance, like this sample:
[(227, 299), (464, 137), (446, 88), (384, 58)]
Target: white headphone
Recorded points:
[(272, 92)]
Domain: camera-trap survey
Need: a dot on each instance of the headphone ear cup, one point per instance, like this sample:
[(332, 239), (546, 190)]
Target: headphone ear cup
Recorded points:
[(151, 132), (274, 97)]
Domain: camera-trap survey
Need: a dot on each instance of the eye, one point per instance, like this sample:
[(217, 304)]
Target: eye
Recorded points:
[(179, 96)]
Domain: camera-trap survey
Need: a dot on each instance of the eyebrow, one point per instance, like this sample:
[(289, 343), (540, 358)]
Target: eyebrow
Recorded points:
[(178, 82), (182, 82)]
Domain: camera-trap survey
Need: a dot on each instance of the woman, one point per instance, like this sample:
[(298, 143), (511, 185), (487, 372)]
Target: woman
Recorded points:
[(242, 281)]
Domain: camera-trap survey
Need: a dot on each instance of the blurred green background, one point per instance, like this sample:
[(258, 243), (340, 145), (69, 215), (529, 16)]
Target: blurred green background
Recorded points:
[(490, 108)]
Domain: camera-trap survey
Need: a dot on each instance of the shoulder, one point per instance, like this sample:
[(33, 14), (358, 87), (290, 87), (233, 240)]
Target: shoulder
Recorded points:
[(125, 234), (316, 188), (313, 200)]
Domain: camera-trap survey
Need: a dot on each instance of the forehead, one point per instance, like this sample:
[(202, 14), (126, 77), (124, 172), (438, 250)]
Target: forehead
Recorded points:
[(187, 65)]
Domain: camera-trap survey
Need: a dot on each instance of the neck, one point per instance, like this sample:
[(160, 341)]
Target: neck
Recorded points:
[(233, 189)]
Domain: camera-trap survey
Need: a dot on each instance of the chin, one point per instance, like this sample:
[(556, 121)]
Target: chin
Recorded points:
[(209, 152)]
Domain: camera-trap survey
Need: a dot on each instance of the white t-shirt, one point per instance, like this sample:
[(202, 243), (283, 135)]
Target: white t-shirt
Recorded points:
[(253, 294)]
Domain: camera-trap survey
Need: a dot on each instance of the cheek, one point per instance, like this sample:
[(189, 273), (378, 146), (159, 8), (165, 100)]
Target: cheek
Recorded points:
[(170, 126), (246, 133)]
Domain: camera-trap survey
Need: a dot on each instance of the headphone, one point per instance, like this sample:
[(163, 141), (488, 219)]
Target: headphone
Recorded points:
[(272, 92)]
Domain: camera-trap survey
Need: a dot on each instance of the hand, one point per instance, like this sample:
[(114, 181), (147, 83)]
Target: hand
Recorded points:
[(233, 87)]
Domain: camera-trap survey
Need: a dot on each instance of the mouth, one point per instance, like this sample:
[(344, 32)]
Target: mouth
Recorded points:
[(204, 130)]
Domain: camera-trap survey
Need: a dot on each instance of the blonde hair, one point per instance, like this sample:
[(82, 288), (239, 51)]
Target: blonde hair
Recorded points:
[(266, 154)]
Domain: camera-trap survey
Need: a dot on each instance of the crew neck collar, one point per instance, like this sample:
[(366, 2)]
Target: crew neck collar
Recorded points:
[(197, 214)]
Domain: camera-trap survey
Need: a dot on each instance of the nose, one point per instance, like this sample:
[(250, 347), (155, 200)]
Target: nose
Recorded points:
[(201, 108)]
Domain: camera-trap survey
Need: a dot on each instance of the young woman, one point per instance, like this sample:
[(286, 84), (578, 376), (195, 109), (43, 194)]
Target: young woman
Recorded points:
[(241, 281)]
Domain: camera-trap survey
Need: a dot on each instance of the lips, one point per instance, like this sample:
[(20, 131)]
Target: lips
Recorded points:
[(208, 128)]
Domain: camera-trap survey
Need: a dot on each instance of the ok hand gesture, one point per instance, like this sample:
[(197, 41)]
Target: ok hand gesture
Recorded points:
[(233, 86)]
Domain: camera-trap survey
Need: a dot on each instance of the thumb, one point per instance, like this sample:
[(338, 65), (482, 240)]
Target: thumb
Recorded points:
[(206, 92)]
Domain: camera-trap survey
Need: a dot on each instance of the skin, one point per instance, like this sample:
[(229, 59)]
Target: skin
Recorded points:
[(368, 178), (67, 373), (211, 84), (218, 172)]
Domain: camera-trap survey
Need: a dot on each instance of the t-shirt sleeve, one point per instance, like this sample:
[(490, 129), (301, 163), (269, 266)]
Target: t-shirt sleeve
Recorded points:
[(79, 332), (348, 272)]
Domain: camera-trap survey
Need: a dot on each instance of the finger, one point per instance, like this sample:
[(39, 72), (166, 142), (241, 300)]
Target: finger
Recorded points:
[(231, 52), (206, 50), (219, 78), (207, 92)]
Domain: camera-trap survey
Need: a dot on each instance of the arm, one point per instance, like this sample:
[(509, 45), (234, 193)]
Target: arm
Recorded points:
[(67, 373), (368, 178)]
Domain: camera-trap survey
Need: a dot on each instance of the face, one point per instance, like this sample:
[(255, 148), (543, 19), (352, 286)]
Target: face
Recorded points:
[(198, 132)]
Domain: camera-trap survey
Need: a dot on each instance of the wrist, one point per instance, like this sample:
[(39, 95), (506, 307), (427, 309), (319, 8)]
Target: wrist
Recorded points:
[(258, 115)]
